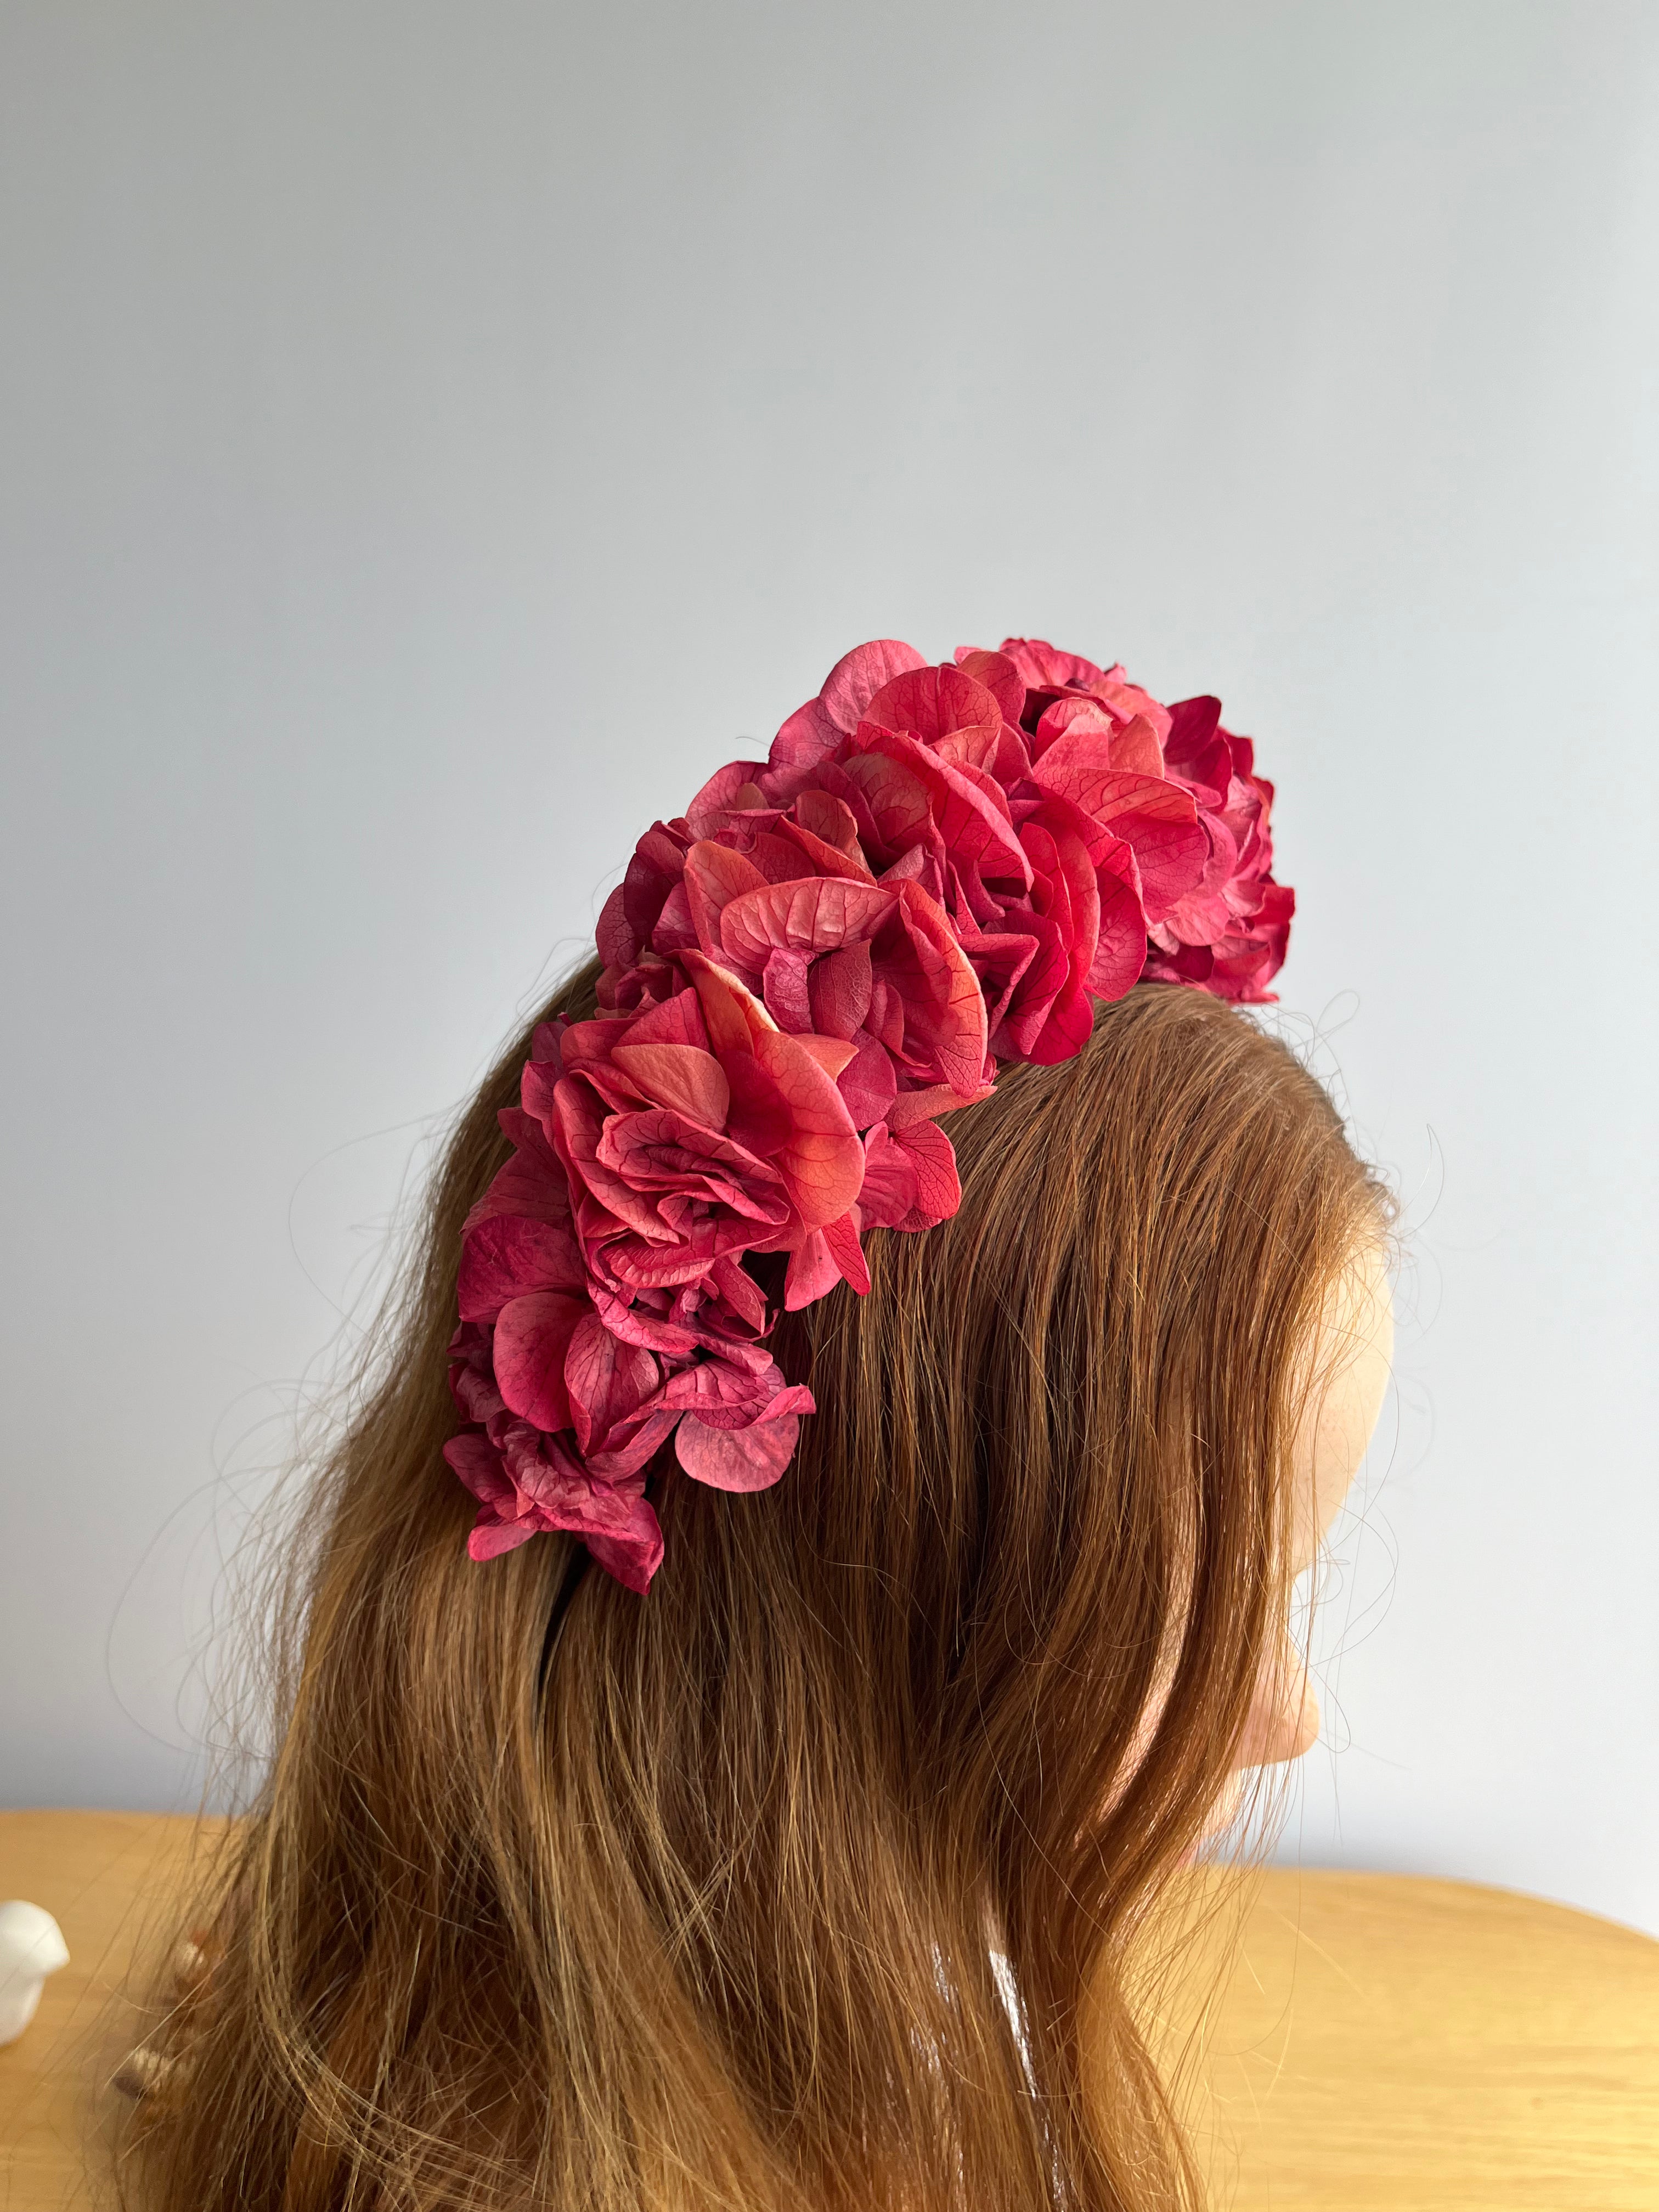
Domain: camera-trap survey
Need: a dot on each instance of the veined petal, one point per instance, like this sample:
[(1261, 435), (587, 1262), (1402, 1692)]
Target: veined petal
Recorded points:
[(508, 1256), (821, 1160), (810, 1138), (816, 913), (714, 875), (608, 1381), (738, 1459), (532, 1337), (858, 675), (1000, 677), (681, 1076), (838, 990), (942, 1002), (935, 702)]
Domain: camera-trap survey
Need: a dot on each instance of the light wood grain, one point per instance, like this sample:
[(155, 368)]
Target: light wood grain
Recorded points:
[(1381, 2042), (111, 1881), (1385, 2041)]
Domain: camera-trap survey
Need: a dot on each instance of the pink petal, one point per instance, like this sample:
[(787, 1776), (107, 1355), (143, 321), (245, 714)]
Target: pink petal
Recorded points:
[(674, 1020), (1120, 951), (714, 875), (922, 798), (739, 1291), (885, 1019), (536, 1088), (504, 1257), (675, 927), (1077, 766), (760, 1119), (582, 1129), (1065, 1031), (681, 1076), (1000, 677), (831, 821), (822, 1160), (825, 858), (942, 997), (1042, 666), (731, 1011), (867, 1084), (1076, 713), (801, 745), (888, 1192), (722, 1393), (833, 1055), (992, 796), (939, 1188), (633, 1556), (619, 947), (816, 913), (972, 813), (640, 1266), (657, 1150), (734, 788), (778, 853), (531, 1183), (477, 1461), (913, 1106), (489, 1538), (1000, 958), (812, 1274), (588, 1045), (1135, 747), (842, 1239), (892, 775), (532, 1337), (818, 1154), (783, 989), (934, 702), (1130, 704), (1047, 973), (630, 1445), (839, 990), (1196, 751), (657, 862), (737, 1459), (916, 865), (608, 1381), (472, 1375), (1157, 817), (858, 675)]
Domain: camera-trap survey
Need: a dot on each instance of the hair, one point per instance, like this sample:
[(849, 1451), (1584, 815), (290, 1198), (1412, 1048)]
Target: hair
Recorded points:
[(556, 1896)]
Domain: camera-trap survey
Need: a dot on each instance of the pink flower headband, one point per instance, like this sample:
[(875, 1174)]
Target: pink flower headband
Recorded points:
[(934, 870)]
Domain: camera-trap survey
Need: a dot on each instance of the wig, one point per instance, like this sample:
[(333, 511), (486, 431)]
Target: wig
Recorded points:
[(812, 1879)]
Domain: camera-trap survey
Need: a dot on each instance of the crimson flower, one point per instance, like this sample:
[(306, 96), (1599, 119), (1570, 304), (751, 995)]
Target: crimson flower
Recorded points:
[(934, 870)]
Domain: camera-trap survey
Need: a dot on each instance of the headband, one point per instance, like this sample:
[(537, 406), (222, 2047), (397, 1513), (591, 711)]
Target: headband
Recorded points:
[(934, 870)]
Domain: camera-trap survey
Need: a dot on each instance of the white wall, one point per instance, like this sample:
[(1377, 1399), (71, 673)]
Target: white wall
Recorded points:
[(434, 436)]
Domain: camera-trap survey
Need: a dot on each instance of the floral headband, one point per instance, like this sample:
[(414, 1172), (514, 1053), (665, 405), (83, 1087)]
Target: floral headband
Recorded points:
[(934, 870)]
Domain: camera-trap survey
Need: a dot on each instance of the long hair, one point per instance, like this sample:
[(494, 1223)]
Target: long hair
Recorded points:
[(811, 1879)]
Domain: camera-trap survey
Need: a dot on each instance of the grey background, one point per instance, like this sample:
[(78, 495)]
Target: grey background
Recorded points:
[(434, 437)]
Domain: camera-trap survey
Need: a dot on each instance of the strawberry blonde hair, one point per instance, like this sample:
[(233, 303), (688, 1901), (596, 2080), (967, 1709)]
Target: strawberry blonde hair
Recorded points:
[(558, 1897)]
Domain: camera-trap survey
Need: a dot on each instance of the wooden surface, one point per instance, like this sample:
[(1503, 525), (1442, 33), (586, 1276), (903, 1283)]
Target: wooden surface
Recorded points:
[(108, 1880), (1382, 2042), (1387, 2041)]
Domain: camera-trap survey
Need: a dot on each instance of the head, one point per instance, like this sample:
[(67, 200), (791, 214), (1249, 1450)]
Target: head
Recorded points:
[(559, 1895)]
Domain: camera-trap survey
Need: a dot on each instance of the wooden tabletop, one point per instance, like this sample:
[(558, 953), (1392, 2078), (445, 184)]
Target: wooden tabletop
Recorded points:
[(1381, 2041)]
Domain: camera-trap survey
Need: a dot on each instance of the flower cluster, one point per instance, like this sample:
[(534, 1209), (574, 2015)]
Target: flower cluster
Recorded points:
[(934, 870)]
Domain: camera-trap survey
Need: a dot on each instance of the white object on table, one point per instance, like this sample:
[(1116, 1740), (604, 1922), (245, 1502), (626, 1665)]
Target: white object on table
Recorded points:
[(32, 1946)]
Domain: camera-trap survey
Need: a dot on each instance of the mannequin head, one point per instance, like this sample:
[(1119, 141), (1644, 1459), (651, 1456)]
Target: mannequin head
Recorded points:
[(563, 1895)]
